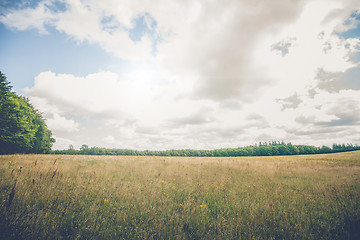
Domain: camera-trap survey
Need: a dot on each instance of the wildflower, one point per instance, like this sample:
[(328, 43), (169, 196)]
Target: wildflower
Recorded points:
[(202, 206), (106, 200), (162, 181)]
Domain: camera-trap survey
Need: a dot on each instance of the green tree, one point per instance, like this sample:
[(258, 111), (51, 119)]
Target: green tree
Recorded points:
[(84, 149), (22, 128)]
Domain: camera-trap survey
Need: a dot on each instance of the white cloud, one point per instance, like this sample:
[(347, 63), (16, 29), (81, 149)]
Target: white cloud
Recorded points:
[(59, 124), (29, 18), (109, 139), (224, 73), (85, 21)]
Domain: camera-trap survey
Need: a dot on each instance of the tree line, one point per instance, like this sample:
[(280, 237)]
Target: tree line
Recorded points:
[(262, 149), (22, 127)]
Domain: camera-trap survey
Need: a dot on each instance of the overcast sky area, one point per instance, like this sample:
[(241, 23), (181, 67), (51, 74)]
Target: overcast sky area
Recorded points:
[(181, 74)]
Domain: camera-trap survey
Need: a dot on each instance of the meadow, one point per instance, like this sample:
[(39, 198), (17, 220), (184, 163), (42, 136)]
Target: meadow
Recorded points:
[(147, 197)]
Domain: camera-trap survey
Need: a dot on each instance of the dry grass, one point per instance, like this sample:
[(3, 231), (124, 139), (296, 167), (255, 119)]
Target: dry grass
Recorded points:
[(111, 197)]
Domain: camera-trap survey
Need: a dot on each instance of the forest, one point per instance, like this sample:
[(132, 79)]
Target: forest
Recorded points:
[(22, 127), (275, 148)]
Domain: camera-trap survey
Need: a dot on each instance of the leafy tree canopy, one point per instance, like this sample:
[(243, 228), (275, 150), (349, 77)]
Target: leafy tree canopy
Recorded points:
[(22, 128)]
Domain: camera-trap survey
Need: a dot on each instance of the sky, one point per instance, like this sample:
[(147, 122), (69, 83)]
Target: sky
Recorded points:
[(184, 74)]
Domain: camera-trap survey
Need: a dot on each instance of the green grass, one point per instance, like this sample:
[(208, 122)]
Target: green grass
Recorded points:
[(112, 197)]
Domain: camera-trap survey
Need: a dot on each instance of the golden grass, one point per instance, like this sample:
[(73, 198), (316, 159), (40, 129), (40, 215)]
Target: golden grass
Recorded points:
[(144, 197)]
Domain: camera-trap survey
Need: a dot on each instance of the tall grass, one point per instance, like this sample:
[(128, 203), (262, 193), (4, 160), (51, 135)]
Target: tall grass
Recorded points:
[(108, 197)]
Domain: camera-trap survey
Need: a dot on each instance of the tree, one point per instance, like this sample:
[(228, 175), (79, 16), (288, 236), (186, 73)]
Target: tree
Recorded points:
[(22, 128), (84, 149), (43, 139), (325, 149)]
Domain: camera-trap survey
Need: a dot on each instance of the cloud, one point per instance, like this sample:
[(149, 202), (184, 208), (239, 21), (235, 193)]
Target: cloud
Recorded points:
[(283, 46), (95, 93), (346, 111), (58, 123), (85, 21), (199, 118), (131, 108), (204, 74), (109, 140), (290, 102), (336, 81), (103, 105), (29, 18), (304, 120), (328, 118), (342, 121), (219, 58), (220, 63), (256, 120)]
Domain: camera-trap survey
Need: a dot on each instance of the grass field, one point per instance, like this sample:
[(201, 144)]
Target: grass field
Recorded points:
[(113, 197)]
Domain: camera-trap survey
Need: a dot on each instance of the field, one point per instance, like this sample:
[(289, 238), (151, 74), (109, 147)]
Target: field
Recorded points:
[(114, 197)]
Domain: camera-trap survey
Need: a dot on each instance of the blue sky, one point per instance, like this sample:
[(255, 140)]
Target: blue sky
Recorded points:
[(26, 53), (186, 74)]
